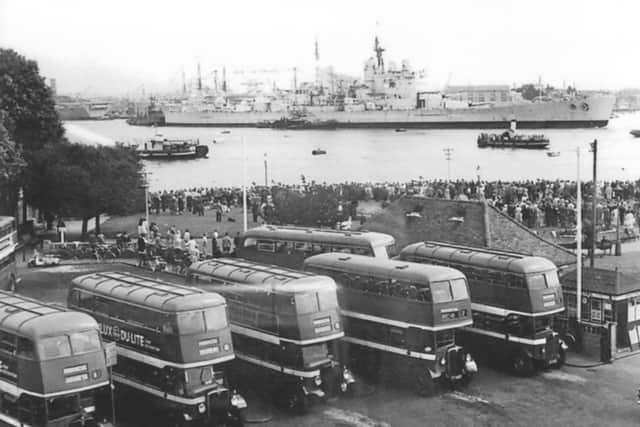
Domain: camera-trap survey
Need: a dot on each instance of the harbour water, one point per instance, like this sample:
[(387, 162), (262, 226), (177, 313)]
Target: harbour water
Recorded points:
[(372, 155)]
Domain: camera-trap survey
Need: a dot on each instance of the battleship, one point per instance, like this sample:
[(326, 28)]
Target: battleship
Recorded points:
[(388, 97)]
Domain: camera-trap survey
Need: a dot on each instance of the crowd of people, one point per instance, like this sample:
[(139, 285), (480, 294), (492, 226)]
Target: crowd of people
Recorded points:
[(535, 203)]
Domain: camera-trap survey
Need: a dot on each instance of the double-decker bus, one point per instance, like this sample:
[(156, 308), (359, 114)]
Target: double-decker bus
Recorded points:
[(289, 246), (514, 298), (8, 243), (401, 317), (285, 325), (52, 365), (171, 341)]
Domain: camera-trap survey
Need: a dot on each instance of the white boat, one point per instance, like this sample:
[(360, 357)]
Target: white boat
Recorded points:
[(160, 147)]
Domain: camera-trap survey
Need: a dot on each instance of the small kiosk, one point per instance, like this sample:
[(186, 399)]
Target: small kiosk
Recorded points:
[(610, 316)]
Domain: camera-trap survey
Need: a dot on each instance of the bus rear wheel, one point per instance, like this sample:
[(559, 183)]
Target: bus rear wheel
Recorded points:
[(522, 364)]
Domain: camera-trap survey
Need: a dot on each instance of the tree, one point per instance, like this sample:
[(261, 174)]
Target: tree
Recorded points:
[(31, 119), (11, 167), (73, 179)]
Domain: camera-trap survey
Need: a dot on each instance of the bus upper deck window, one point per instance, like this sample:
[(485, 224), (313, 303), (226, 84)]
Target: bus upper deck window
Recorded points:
[(25, 348), (536, 282), (441, 292), (54, 347), (215, 318), (459, 289), (190, 322), (85, 342), (552, 279)]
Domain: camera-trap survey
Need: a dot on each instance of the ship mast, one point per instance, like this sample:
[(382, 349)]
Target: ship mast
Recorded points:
[(224, 80), (378, 50), (199, 79)]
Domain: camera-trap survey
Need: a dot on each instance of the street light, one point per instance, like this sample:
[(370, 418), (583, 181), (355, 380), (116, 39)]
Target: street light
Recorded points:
[(578, 241), (145, 185)]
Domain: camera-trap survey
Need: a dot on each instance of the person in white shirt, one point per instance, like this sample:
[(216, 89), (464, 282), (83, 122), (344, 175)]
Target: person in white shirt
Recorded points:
[(204, 242)]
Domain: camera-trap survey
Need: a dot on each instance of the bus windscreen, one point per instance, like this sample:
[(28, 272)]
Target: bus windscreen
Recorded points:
[(54, 347), (85, 342), (195, 322)]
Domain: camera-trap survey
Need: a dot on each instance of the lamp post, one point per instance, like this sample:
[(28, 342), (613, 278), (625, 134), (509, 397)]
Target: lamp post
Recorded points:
[(266, 178), (448, 153), (145, 184), (578, 241), (244, 185)]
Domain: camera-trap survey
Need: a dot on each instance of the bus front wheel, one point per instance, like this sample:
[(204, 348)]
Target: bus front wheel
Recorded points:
[(522, 364), (423, 384), (298, 402)]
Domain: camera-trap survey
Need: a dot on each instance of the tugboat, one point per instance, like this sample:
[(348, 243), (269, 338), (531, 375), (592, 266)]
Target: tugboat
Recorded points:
[(161, 148), (510, 139), (318, 151)]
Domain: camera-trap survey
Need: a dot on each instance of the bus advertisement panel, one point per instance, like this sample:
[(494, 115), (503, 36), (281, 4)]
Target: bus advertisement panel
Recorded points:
[(514, 299), (172, 343)]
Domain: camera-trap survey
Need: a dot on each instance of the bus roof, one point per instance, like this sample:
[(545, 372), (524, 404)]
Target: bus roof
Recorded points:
[(148, 292), (320, 235), (386, 268), (33, 319), (280, 280), (480, 257)]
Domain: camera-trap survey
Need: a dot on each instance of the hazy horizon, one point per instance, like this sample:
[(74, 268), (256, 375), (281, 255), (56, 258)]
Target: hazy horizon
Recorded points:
[(117, 47)]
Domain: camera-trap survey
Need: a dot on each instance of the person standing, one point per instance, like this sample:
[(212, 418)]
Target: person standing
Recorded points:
[(204, 242), (186, 236), (227, 245), (62, 228)]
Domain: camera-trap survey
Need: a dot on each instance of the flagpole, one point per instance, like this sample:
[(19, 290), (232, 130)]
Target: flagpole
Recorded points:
[(244, 185), (578, 242)]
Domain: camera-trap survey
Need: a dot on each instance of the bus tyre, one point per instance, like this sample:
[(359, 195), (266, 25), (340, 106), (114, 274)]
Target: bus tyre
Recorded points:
[(562, 358), (423, 384), (298, 402), (522, 364), (12, 283)]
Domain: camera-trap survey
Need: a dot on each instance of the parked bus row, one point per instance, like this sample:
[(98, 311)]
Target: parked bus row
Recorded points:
[(514, 297), (184, 349)]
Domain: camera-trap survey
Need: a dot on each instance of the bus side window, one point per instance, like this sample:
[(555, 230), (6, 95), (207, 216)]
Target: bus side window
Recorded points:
[(266, 246), (25, 348), (7, 342)]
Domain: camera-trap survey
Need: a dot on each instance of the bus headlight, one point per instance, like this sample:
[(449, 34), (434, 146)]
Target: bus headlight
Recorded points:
[(202, 408), (238, 401), (187, 417), (442, 361), (89, 409), (563, 345), (336, 325), (317, 381), (347, 376), (470, 365), (226, 347)]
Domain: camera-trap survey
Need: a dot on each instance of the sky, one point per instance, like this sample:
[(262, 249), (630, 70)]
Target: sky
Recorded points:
[(122, 47)]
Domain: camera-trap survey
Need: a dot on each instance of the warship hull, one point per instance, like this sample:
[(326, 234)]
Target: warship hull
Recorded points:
[(585, 112)]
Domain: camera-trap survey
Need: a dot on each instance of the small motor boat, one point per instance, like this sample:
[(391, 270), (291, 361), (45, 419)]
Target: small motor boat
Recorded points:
[(636, 133), (226, 131), (318, 151), (553, 153), (401, 130)]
